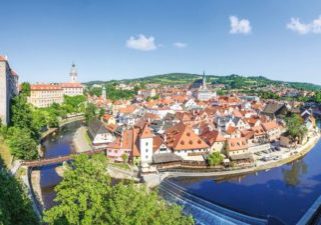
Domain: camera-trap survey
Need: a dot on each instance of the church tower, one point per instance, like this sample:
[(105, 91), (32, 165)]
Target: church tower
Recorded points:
[(204, 81), (103, 93), (73, 74)]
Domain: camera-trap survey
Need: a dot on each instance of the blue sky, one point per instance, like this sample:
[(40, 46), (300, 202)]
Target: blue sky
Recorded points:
[(118, 39)]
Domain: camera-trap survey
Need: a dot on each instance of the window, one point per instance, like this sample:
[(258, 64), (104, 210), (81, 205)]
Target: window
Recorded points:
[(146, 144), (146, 150)]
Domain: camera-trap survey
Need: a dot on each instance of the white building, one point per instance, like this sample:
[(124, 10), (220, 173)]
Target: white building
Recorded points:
[(44, 95), (146, 145), (73, 87), (203, 94), (8, 89)]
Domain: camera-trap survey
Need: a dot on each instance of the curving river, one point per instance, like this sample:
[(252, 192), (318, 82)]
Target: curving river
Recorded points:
[(57, 144), (284, 193)]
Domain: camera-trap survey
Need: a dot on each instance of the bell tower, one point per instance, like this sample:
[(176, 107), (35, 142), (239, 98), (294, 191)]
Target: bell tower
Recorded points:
[(73, 73)]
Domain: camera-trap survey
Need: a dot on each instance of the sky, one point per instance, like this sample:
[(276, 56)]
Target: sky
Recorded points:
[(118, 39)]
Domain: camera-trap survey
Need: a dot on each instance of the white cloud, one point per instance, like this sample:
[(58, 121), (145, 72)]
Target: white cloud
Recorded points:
[(141, 43), (239, 26), (180, 45), (304, 28)]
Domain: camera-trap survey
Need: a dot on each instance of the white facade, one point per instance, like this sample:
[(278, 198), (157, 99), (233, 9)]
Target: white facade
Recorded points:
[(8, 89), (146, 150)]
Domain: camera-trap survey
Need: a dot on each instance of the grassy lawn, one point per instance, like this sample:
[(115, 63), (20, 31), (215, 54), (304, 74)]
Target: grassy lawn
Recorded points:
[(5, 154), (121, 166)]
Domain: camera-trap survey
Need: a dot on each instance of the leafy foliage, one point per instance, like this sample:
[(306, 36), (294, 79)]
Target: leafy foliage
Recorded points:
[(215, 159), (85, 196), (21, 143), (90, 112), (295, 125), (15, 206), (25, 89)]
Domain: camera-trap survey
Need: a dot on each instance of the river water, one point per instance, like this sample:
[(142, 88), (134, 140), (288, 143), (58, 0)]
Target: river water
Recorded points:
[(57, 144), (284, 193)]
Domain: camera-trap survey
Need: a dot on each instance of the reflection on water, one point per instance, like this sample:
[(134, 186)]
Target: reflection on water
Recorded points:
[(285, 192), (292, 175)]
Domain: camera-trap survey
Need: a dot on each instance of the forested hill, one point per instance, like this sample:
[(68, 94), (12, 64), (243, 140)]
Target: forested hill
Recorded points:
[(232, 80)]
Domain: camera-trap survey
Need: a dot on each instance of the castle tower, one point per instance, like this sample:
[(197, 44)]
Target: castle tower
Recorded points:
[(73, 74)]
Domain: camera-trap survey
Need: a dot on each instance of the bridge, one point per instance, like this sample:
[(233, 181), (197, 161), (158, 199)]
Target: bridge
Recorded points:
[(58, 159)]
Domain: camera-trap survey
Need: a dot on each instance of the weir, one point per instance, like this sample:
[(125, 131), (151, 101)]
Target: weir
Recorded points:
[(207, 212)]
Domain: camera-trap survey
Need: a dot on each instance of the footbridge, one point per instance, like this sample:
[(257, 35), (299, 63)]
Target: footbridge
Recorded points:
[(58, 159)]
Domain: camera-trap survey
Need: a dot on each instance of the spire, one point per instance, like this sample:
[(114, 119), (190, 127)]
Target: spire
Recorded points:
[(204, 80), (103, 93), (146, 132), (73, 73)]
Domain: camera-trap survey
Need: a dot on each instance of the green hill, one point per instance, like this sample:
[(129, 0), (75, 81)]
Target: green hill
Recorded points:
[(234, 81)]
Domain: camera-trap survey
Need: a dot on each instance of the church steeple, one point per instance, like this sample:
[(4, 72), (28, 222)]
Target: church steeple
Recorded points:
[(103, 93), (204, 80), (73, 73)]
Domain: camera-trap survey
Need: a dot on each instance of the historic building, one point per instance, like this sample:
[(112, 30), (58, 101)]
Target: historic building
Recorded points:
[(203, 93), (73, 87), (44, 95), (8, 89)]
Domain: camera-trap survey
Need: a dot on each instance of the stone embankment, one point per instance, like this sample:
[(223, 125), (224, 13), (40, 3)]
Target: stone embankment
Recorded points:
[(303, 150)]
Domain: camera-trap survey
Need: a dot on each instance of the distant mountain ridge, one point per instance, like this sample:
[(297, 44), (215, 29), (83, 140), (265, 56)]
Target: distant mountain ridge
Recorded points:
[(232, 80)]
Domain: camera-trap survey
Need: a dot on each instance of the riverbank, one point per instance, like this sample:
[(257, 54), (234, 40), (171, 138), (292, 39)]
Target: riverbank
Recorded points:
[(303, 150), (35, 182), (81, 140)]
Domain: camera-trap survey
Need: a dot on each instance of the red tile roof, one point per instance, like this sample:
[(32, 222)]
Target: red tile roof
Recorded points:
[(234, 144), (212, 136), (41, 87), (181, 137), (71, 85)]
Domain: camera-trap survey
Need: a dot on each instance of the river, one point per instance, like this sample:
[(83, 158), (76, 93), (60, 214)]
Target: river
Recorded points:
[(284, 193), (57, 144)]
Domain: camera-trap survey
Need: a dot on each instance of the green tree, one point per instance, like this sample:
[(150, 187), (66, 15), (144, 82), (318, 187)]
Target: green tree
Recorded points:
[(72, 104), (90, 112), (25, 89), (295, 126), (82, 193), (21, 143), (21, 112), (97, 91), (214, 159), (85, 196), (15, 206), (124, 157), (131, 204), (317, 97)]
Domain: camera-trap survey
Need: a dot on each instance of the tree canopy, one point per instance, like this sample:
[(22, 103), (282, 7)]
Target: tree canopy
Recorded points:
[(15, 206), (295, 125), (85, 196), (214, 159)]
